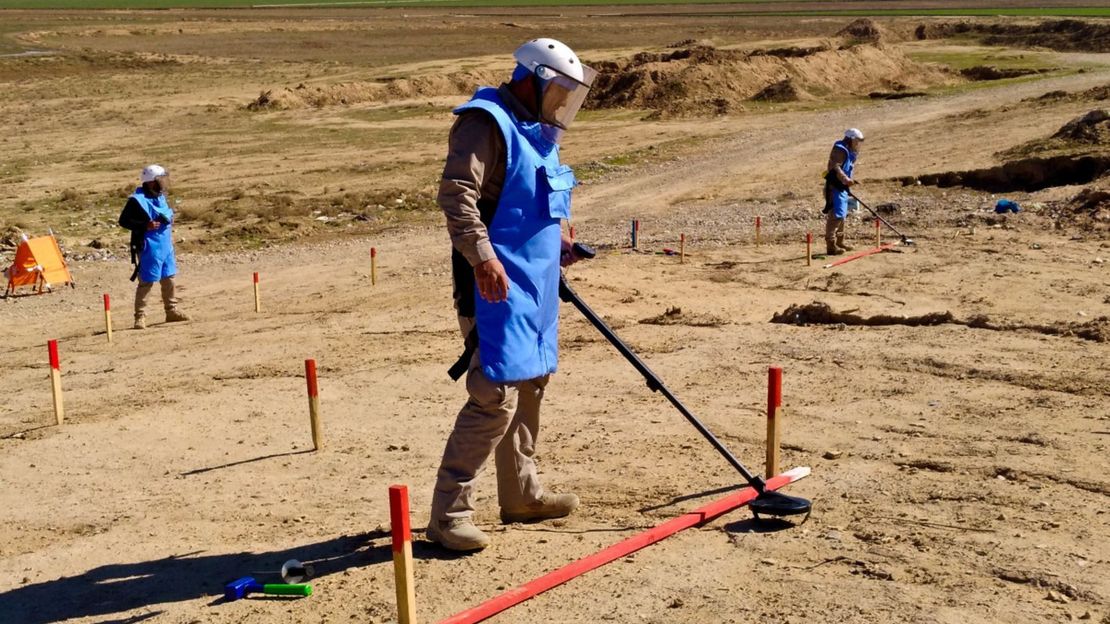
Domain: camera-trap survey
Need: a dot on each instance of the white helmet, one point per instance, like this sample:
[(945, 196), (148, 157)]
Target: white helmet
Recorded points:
[(152, 172), (542, 55), (565, 80), (853, 133)]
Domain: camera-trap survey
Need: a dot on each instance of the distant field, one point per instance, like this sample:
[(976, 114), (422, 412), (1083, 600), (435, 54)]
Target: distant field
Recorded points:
[(766, 8)]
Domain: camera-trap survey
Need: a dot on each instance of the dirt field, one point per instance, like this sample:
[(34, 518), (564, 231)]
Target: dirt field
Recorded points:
[(959, 469)]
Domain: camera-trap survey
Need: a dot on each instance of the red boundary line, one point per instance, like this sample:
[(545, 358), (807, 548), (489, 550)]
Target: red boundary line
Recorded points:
[(701, 515), (862, 254)]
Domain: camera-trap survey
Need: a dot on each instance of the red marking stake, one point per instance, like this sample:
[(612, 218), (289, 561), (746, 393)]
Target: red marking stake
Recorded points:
[(108, 316), (373, 266), (313, 403), (774, 416), (682, 248), (257, 295), (56, 381), (401, 533), (758, 226)]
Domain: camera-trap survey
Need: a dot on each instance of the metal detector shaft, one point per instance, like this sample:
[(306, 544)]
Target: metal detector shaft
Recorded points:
[(878, 216), (654, 383)]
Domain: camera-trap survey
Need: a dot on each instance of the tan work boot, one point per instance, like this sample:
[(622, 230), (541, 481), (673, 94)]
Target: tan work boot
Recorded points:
[(842, 245), (457, 534), (833, 250), (176, 316), (140, 322), (549, 506)]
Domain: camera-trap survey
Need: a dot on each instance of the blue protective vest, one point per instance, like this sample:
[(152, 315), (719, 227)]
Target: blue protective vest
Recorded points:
[(838, 199), (518, 338), (158, 245)]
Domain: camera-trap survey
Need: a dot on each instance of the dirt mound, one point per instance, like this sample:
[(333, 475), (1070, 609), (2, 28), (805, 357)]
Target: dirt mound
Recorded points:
[(1087, 134), (1096, 94), (818, 313), (1092, 128), (864, 29), (705, 80), (675, 316), (1090, 209), (784, 91), (347, 93), (1061, 35)]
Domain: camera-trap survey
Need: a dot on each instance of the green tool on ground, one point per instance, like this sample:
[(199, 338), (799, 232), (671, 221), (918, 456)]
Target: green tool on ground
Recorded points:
[(247, 585)]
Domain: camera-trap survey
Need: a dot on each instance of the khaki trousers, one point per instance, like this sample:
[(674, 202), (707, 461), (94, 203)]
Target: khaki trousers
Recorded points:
[(503, 419), (169, 296)]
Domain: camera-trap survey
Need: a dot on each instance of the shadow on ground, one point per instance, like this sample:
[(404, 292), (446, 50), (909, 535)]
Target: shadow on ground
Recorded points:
[(114, 590)]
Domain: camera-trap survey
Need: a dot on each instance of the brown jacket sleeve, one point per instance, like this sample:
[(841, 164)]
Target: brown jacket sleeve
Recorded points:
[(475, 170), (837, 158)]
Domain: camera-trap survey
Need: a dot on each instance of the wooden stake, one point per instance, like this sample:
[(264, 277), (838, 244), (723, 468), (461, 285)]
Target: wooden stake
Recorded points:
[(402, 553), (56, 382), (809, 248), (257, 296), (682, 248), (313, 403), (758, 224), (878, 234), (635, 232), (774, 415), (108, 316), (373, 266)]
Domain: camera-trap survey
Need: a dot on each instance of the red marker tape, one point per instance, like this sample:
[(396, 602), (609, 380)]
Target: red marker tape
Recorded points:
[(256, 277), (107, 302), (399, 516), (53, 345), (373, 252)]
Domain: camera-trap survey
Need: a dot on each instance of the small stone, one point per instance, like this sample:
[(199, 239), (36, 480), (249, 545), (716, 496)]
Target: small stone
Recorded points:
[(1001, 516), (1056, 596), (675, 603), (1035, 246), (1086, 615), (833, 535), (832, 454), (768, 562)]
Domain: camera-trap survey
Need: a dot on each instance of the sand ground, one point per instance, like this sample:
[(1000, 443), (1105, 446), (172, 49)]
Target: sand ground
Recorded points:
[(959, 473)]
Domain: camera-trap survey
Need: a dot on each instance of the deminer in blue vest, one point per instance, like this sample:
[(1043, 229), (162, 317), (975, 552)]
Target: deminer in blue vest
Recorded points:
[(149, 217), (838, 178), (505, 194)]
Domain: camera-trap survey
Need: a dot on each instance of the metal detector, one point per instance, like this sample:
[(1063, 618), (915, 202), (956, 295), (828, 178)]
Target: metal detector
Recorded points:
[(768, 502), (905, 240)]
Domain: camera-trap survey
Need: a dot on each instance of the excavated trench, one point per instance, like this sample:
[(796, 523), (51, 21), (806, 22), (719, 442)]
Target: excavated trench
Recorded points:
[(1027, 174), (818, 313)]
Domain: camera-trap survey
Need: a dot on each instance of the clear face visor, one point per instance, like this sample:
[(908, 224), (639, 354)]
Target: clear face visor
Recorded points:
[(563, 95)]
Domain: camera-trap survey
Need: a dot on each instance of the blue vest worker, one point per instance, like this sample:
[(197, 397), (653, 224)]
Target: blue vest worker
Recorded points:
[(505, 194), (149, 217), (838, 179)]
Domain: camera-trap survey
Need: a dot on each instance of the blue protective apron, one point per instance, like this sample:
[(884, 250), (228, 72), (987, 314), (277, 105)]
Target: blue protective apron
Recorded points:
[(836, 195), (157, 261), (518, 338)]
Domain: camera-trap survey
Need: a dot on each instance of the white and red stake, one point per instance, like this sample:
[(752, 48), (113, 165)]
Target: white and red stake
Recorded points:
[(313, 404), (56, 381), (402, 553)]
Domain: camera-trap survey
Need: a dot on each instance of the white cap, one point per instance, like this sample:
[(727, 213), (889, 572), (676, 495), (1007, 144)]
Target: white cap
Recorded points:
[(853, 133), (540, 55), (152, 172)]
